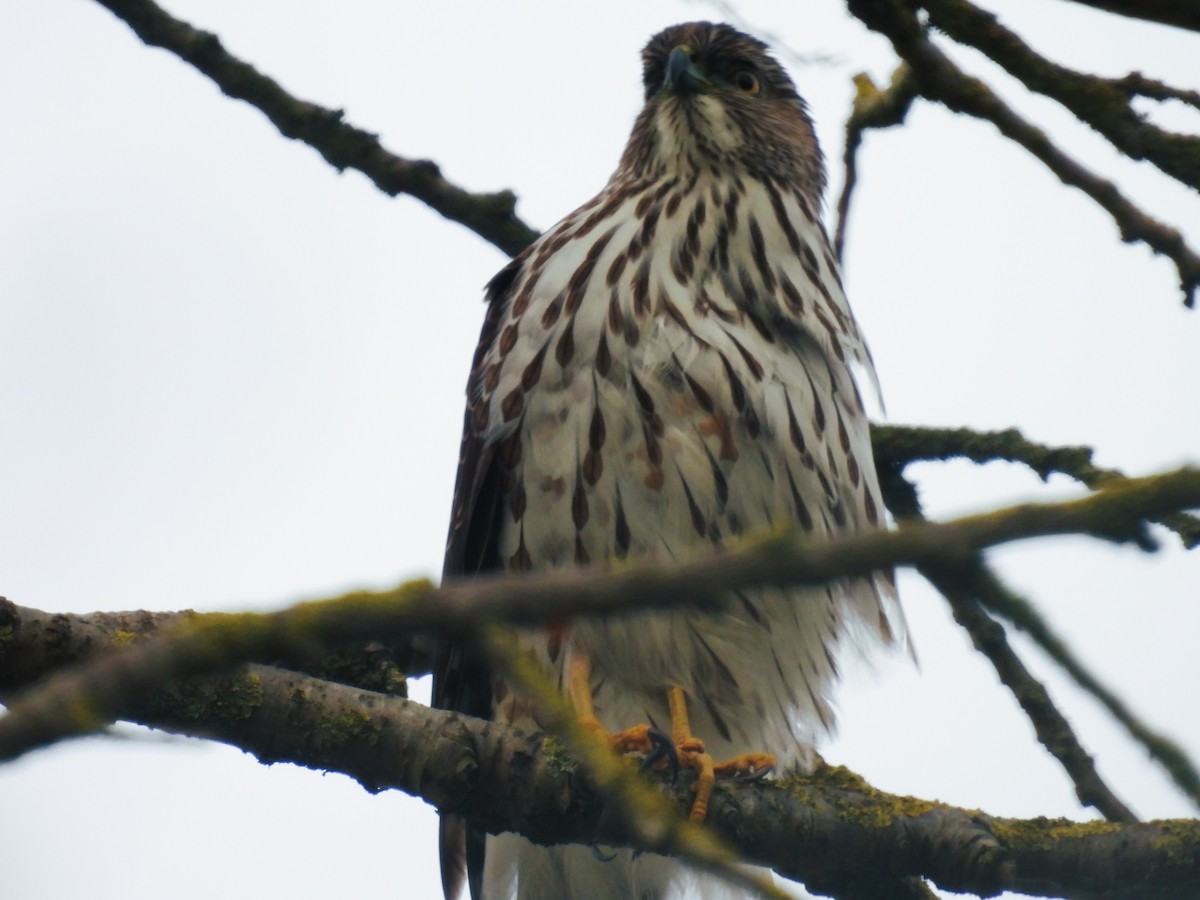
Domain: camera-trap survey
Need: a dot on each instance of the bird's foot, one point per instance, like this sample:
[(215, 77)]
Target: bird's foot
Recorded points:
[(746, 767), (679, 749), (692, 755), (653, 743)]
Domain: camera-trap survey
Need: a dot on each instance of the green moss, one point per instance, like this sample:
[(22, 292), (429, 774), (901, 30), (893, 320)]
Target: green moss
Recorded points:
[(332, 732), (395, 682), (860, 803), (1042, 833), (232, 699), (171, 700), (558, 761), (350, 727), (242, 697), (84, 716), (1177, 839), (357, 605), (841, 778)]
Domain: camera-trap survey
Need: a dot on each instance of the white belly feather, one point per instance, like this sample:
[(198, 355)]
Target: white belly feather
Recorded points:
[(645, 437)]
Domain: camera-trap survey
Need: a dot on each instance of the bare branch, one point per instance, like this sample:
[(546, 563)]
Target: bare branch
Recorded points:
[(343, 146), (898, 445), (940, 79), (90, 696), (1180, 13), (1053, 730), (974, 584), (1099, 102), (983, 584), (873, 108), (1137, 85), (970, 589)]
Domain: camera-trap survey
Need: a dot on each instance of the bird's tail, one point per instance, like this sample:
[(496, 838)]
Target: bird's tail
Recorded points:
[(516, 868)]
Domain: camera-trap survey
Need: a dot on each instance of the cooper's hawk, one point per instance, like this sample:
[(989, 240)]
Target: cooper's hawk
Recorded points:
[(666, 369)]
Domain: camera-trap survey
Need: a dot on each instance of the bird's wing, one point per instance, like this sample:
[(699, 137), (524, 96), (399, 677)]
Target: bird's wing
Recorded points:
[(461, 681)]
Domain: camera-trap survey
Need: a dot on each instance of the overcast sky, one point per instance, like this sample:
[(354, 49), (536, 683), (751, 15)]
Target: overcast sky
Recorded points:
[(231, 378)]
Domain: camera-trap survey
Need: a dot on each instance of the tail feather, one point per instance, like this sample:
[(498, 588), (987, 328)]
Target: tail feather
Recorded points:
[(460, 851), (519, 869), (452, 852)]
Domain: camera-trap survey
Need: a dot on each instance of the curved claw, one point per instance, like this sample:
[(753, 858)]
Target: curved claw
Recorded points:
[(747, 767), (663, 748), (756, 775), (600, 855)]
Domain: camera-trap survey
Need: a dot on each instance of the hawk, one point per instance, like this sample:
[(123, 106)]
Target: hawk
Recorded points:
[(671, 367)]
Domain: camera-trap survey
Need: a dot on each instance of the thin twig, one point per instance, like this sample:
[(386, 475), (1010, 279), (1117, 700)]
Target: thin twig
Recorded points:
[(899, 445), (962, 589), (972, 585), (959, 584), (941, 80), (1135, 84), (778, 45), (873, 108), (1001, 600), (343, 146)]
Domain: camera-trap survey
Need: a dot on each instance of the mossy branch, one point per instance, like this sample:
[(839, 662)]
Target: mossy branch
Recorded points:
[(342, 145), (816, 829), (974, 591), (897, 446), (654, 821), (978, 586), (88, 697)]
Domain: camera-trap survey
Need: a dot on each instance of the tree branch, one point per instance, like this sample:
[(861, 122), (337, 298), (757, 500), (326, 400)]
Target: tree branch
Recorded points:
[(897, 446), (1099, 102), (963, 589), (1053, 730), (655, 823), (970, 590), (980, 583), (1135, 84), (816, 829), (90, 696), (973, 590), (873, 108), (343, 146), (1179, 13), (940, 79)]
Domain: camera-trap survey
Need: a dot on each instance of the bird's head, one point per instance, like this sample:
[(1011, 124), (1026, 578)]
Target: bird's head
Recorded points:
[(717, 101)]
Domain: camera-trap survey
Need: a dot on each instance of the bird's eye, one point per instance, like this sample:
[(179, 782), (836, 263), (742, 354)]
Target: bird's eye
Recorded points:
[(746, 81)]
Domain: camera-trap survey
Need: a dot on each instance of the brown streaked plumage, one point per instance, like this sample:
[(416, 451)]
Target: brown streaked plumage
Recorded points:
[(666, 369)]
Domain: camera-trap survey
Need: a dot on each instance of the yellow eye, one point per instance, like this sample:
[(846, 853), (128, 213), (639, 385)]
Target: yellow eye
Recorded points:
[(746, 81)]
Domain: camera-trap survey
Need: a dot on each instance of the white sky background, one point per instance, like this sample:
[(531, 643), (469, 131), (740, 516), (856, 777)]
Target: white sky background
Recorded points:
[(230, 379)]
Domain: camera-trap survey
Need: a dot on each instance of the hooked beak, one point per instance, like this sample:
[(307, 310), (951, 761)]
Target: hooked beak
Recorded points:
[(682, 75)]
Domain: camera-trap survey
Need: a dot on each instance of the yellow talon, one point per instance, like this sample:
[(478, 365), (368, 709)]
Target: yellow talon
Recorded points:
[(639, 738)]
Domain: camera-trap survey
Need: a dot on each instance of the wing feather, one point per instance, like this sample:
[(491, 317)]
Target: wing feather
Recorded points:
[(461, 680)]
